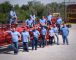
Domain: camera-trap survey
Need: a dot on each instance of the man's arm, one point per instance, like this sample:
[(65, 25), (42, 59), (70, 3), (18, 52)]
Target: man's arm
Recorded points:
[(19, 36), (68, 30), (28, 36)]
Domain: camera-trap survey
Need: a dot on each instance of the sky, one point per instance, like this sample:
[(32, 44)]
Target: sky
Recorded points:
[(21, 2)]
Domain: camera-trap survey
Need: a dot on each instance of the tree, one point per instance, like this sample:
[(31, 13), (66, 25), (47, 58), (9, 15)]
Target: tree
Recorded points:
[(25, 7), (5, 7), (33, 7)]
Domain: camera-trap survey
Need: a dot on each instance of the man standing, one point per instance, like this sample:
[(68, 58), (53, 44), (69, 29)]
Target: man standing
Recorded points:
[(49, 17), (25, 39), (43, 34), (12, 17), (65, 33), (42, 21), (29, 22), (33, 17), (56, 33), (35, 38), (15, 37), (51, 35), (58, 23)]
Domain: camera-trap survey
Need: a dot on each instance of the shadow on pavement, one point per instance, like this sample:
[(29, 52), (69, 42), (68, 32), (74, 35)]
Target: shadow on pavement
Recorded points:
[(5, 50)]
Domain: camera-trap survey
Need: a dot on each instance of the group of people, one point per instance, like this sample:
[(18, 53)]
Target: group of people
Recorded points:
[(39, 37)]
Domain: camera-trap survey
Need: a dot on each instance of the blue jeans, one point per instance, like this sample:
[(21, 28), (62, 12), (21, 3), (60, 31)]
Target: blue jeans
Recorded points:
[(12, 20), (57, 39), (48, 22), (34, 43), (65, 39), (43, 40), (58, 25), (15, 44), (25, 46), (51, 40)]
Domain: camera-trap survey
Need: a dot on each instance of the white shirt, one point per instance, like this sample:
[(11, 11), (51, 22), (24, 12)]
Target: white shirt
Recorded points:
[(13, 13), (33, 17)]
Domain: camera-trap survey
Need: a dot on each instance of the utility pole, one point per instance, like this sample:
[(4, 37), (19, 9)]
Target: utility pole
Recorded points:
[(64, 11)]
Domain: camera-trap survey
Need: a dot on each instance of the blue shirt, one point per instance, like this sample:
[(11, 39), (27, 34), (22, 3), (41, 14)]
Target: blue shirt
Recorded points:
[(25, 36), (59, 21), (15, 36), (51, 32), (26, 21), (42, 21), (36, 33), (43, 31), (49, 17), (29, 22), (64, 31), (55, 30), (13, 13)]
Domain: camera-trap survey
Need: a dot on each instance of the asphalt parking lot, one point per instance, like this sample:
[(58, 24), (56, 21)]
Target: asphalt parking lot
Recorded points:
[(55, 52)]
